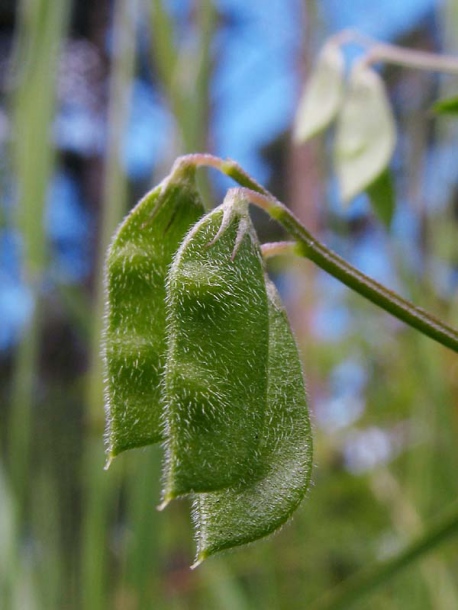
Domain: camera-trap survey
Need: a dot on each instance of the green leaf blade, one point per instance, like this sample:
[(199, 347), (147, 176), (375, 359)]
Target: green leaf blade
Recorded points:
[(322, 96), (244, 513), (134, 337), (447, 106), (216, 373), (382, 197), (366, 133)]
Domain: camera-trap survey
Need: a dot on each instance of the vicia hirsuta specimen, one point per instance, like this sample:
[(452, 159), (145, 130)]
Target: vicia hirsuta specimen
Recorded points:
[(199, 355)]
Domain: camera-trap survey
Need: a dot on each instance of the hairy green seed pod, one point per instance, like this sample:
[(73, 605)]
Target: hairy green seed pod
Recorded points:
[(243, 513), (216, 372), (134, 337)]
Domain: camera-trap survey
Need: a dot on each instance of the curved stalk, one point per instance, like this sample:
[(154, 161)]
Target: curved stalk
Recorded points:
[(365, 582), (329, 261), (377, 51)]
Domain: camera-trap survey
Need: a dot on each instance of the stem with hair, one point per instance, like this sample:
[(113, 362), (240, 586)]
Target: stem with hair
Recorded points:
[(310, 247)]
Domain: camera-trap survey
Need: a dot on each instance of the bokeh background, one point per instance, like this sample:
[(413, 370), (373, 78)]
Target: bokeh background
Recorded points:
[(97, 99)]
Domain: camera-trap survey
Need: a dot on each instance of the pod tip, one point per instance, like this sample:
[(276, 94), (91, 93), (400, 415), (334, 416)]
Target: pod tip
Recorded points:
[(165, 502), (109, 462), (198, 561)]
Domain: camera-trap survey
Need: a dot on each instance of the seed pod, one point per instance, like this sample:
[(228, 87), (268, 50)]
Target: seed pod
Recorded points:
[(215, 380), (134, 336), (243, 513)]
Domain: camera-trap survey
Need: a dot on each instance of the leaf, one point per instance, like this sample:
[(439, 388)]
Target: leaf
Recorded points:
[(244, 513), (448, 105), (216, 372), (322, 96), (366, 133), (382, 197), (134, 337)]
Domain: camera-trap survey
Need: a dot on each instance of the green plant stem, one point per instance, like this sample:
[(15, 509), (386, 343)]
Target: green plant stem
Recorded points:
[(309, 247), (378, 294), (40, 31), (363, 583), (396, 55), (98, 492), (185, 76), (409, 58)]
